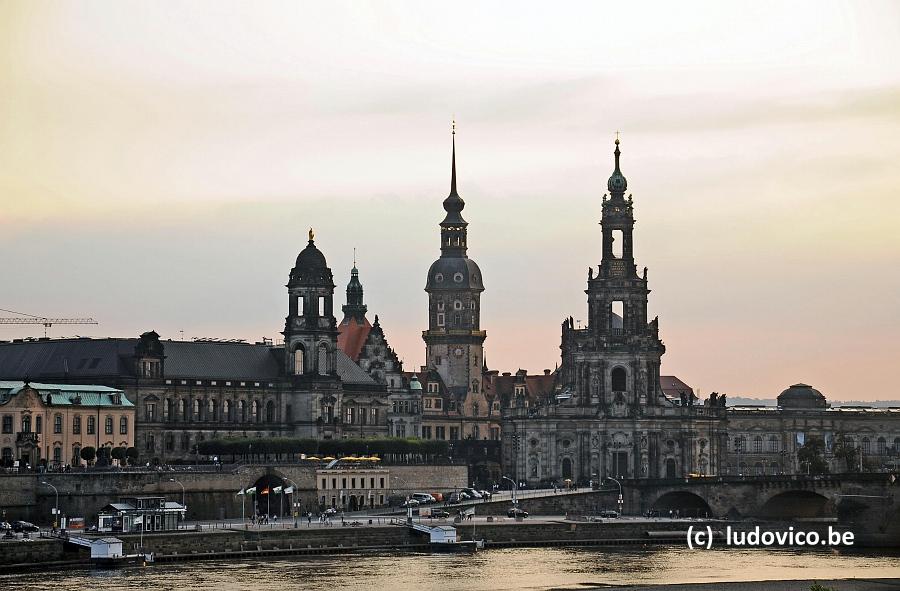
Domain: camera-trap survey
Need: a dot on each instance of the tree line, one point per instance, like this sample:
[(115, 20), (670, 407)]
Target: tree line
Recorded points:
[(390, 448)]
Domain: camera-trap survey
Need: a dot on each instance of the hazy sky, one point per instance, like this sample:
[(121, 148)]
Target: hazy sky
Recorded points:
[(160, 164)]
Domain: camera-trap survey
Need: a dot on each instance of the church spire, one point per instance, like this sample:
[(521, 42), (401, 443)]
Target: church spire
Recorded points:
[(453, 160), (355, 307), (617, 184)]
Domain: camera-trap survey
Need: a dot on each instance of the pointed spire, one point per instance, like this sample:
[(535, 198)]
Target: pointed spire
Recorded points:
[(617, 184), (453, 160)]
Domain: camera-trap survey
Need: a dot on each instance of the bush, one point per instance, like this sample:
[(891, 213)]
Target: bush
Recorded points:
[(118, 453)]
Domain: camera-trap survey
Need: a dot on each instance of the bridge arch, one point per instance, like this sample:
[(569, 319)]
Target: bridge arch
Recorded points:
[(796, 503), (686, 503)]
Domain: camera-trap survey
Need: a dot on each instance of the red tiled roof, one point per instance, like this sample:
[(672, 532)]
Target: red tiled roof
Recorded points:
[(352, 336), (673, 387)]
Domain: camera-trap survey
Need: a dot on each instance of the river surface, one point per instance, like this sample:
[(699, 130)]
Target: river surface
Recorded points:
[(514, 568)]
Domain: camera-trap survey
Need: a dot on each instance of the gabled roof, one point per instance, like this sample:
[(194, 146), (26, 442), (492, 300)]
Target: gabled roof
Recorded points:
[(673, 387), (74, 358), (221, 360), (351, 373), (352, 336)]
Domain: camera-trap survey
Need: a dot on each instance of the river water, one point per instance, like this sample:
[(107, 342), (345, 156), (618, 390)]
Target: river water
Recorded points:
[(514, 568)]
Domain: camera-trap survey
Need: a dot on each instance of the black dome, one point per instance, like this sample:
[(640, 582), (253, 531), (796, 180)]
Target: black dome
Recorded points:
[(311, 267), (452, 273), (801, 396)]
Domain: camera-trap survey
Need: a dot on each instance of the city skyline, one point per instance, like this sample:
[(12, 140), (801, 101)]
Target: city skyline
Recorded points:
[(180, 190)]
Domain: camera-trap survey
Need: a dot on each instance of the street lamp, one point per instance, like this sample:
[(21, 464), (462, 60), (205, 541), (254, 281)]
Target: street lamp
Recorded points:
[(56, 510), (515, 487), (183, 506), (621, 499)]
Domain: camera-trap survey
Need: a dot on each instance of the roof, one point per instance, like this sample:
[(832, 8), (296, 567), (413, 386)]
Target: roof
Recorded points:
[(86, 358), (66, 394), (672, 386), (352, 336)]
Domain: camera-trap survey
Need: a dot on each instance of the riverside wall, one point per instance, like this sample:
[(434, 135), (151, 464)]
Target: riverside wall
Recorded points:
[(209, 494)]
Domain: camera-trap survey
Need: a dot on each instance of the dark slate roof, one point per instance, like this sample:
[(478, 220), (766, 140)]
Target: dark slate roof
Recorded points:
[(87, 358), (226, 361), (76, 358)]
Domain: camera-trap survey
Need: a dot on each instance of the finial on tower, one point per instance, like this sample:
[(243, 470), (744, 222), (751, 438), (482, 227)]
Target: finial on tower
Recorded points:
[(617, 138), (312, 235), (354, 257)]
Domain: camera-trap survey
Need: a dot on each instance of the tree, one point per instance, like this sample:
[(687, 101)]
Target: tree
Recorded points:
[(118, 453), (88, 454), (132, 454), (812, 456)]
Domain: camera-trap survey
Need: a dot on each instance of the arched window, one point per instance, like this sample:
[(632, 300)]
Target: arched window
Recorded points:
[(759, 468), (298, 361), (26, 424), (619, 380), (896, 444), (670, 468), (123, 426), (228, 408), (242, 407), (882, 446), (168, 410), (270, 412), (323, 359), (183, 410), (196, 409), (757, 444), (254, 411), (211, 414), (76, 455), (866, 446), (739, 444), (108, 425), (773, 443), (39, 425)]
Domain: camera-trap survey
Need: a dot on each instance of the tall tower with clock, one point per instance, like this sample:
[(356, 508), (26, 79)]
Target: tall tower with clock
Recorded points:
[(454, 340)]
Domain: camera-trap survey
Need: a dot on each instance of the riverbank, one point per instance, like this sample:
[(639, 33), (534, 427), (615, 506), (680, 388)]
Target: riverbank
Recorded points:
[(794, 585), (237, 543)]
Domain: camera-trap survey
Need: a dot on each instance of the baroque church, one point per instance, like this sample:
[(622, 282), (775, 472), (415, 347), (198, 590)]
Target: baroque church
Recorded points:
[(608, 414)]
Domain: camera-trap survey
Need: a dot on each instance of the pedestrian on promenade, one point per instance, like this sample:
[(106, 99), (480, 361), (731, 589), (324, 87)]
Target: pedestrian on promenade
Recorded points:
[(309, 519)]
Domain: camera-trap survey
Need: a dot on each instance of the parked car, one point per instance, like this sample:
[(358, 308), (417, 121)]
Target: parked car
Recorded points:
[(464, 496), (5, 525), (516, 512), (454, 499), (410, 503), (23, 526), (486, 494), (609, 513), (438, 497), (331, 511), (439, 514), (474, 494), (423, 498)]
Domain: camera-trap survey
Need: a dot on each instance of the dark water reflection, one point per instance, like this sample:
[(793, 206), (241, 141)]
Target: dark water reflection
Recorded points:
[(519, 568)]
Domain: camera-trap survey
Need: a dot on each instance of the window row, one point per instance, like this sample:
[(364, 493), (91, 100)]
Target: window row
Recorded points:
[(210, 410)]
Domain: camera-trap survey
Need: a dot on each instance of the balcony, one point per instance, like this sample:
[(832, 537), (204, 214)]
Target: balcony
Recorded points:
[(26, 438)]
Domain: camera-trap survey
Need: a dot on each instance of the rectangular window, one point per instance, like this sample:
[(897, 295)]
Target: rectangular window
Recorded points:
[(150, 409), (374, 416), (428, 403), (426, 432), (453, 405), (76, 425), (381, 484), (495, 433), (344, 482), (334, 483), (39, 425), (440, 433), (454, 433), (363, 416), (57, 424), (372, 482), (123, 426), (324, 483), (438, 403), (108, 426), (617, 318), (7, 424), (353, 483), (57, 454), (440, 319), (92, 425)]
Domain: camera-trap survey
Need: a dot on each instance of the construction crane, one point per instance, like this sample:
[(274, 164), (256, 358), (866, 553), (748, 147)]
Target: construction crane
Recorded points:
[(47, 322)]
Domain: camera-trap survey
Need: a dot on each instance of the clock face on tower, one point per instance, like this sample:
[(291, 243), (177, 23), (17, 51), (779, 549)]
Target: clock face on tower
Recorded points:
[(458, 351)]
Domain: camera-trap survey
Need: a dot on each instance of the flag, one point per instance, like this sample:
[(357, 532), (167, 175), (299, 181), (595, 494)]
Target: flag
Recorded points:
[(265, 491), (240, 493), (138, 520), (277, 490), (289, 490), (250, 491)]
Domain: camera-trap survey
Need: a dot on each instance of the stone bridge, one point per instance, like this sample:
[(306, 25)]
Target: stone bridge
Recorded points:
[(868, 503)]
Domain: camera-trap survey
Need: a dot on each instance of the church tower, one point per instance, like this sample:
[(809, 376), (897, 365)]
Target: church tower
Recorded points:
[(625, 380), (454, 339)]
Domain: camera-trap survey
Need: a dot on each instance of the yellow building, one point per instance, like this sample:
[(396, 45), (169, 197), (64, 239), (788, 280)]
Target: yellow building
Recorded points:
[(49, 424)]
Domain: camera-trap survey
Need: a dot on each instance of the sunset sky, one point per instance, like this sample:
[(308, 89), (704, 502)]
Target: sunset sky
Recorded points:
[(161, 162)]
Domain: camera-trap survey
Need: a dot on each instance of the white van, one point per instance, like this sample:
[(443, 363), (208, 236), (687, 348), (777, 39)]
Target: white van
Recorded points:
[(423, 498)]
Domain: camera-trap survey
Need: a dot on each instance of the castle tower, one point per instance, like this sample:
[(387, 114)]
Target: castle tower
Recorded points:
[(454, 339)]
